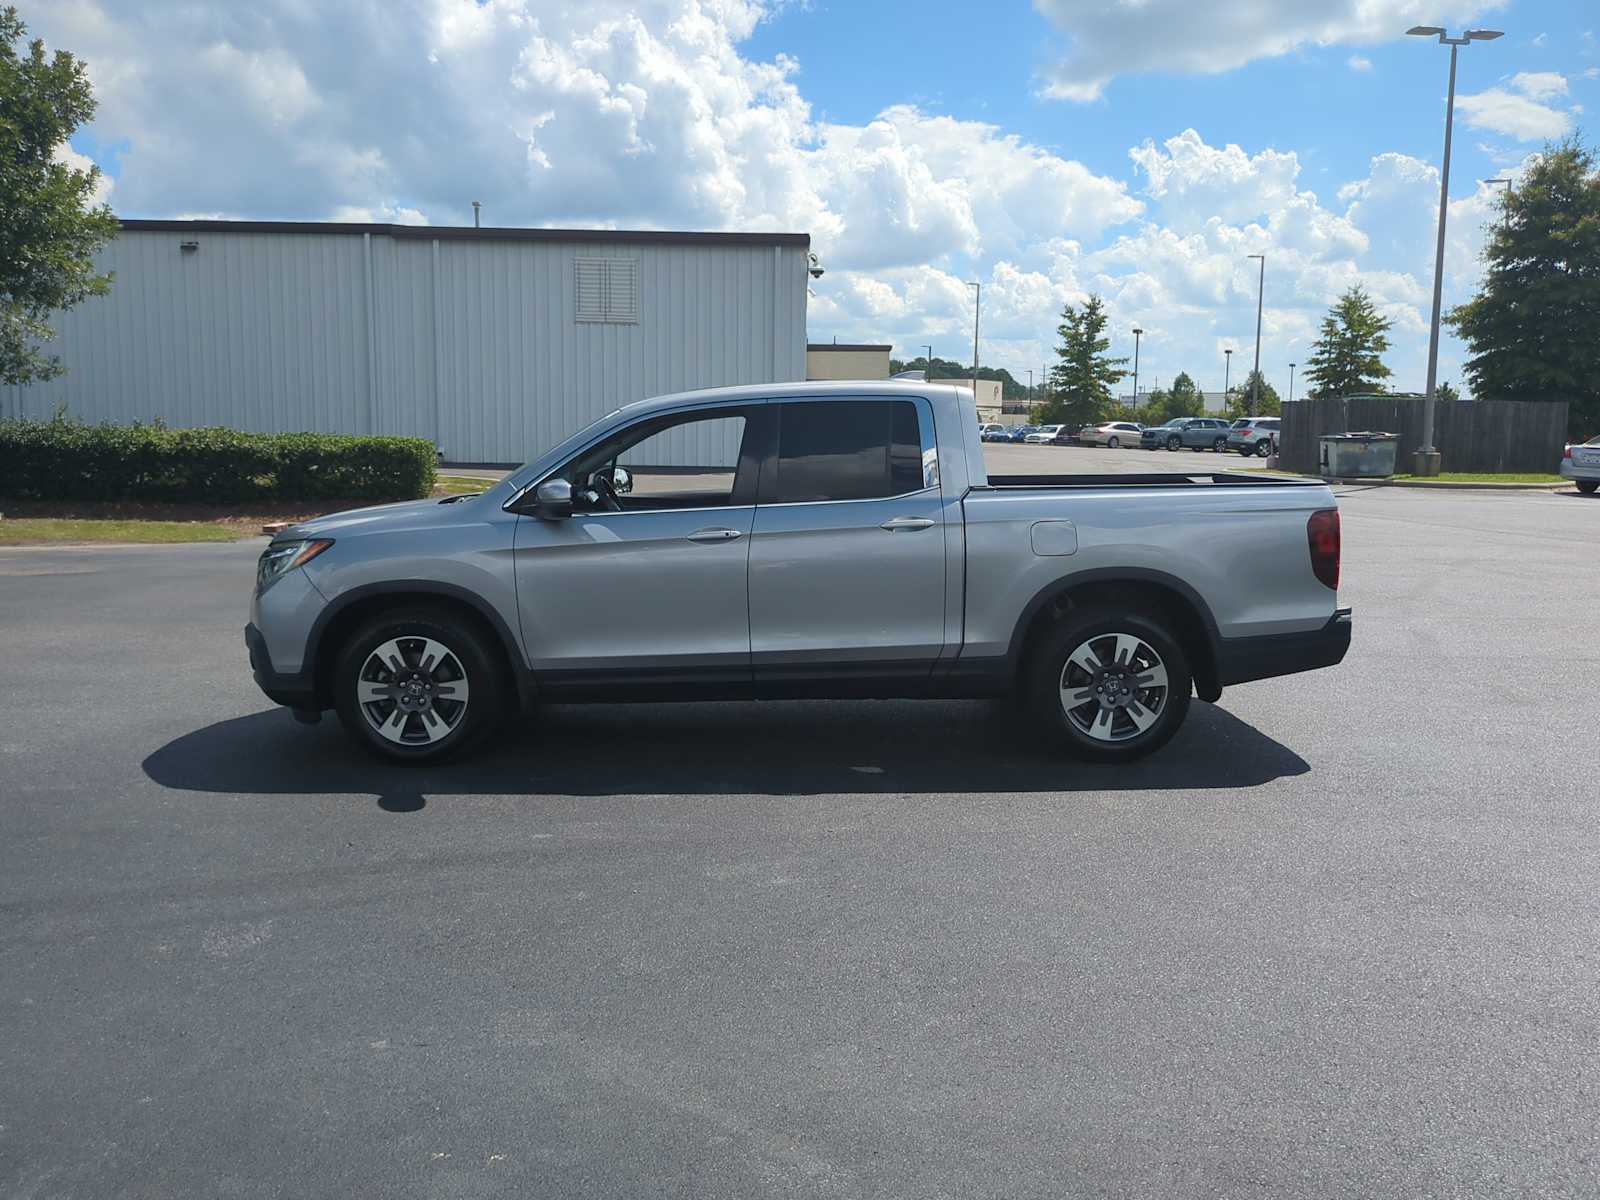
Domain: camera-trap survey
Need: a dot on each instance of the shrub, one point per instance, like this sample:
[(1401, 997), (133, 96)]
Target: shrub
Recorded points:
[(71, 461)]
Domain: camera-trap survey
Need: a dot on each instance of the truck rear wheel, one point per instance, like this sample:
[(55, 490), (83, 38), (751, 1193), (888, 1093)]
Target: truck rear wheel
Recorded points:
[(1109, 685)]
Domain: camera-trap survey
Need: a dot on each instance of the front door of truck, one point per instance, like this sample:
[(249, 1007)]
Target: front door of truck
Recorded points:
[(645, 583)]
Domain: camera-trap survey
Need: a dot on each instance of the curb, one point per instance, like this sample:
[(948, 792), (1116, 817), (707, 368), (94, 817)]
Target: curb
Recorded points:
[(1450, 485)]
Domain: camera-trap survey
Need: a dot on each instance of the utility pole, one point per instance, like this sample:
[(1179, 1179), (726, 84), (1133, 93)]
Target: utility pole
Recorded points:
[(1427, 456), (1255, 378)]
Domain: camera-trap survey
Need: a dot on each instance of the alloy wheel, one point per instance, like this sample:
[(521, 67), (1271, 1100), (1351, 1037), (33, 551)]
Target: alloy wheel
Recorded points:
[(1113, 687), (413, 691)]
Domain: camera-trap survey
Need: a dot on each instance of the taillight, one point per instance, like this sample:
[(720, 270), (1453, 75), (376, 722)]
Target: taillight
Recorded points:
[(1566, 452), (1322, 532)]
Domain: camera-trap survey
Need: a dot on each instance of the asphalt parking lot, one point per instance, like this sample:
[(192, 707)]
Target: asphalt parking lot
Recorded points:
[(1338, 939)]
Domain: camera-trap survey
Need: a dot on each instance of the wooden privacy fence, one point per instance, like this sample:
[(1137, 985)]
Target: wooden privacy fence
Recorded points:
[(1471, 435)]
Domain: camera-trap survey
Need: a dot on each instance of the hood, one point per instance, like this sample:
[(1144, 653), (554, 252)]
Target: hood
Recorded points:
[(387, 518)]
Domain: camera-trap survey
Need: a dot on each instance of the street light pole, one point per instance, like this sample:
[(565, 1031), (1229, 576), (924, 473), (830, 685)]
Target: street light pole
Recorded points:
[(1505, 210), (1427, 457), (1255, 377), (1227, 373), (977, 310), (1030, 388), (1137, 334), (1291, 382), (927, 375)]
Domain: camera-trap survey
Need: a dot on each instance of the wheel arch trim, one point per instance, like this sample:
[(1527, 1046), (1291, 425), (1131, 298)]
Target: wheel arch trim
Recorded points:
[(1204, 671)]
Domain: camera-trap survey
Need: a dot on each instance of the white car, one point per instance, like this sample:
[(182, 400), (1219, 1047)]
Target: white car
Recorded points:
[(1112, 434), (1045, 433), (1581, 464)]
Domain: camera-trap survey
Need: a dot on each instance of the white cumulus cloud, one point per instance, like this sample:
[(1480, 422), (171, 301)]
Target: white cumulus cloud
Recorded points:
[(1136, 36)]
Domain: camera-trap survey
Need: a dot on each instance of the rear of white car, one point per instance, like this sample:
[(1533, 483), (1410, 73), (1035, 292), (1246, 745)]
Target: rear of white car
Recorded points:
[(1045, 433), (1581, 464)]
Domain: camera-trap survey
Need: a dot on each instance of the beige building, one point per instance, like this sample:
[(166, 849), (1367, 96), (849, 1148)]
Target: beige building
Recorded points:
[(838, 360)]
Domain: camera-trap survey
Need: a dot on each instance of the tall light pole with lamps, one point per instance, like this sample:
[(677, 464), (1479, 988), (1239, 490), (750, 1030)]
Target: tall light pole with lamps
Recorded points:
[(1255, 377), (1505, 212), (1137, 334), (977, 309), (1427, 457)]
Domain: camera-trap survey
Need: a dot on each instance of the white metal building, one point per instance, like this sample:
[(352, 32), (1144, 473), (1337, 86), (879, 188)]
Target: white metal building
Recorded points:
[(492, 343)]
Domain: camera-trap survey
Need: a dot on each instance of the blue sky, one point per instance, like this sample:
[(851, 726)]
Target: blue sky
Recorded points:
[(1049, 149)]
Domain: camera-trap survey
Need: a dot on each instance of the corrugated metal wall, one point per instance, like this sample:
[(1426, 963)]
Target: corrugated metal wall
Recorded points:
[(470, 343)]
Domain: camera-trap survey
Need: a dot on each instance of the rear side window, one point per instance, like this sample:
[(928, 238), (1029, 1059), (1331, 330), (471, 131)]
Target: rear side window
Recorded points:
[(846, 450)]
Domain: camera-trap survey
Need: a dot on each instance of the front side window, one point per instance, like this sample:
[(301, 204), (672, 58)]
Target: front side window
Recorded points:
[(669, 462), (847, 450)]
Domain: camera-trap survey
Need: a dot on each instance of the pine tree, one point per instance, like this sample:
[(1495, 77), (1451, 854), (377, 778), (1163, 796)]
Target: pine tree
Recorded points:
[(1081, 381), (1348, 357), (1533, 329)]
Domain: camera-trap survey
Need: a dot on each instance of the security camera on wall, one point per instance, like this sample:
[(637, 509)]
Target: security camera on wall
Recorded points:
[(815, 266)]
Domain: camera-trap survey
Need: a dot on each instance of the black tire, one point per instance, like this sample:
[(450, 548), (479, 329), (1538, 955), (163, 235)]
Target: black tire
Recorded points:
[(1264, 447), (1587, 486), (480, 667), (1219, 445), (1047, 667), (1112, 443), (1174, 442)]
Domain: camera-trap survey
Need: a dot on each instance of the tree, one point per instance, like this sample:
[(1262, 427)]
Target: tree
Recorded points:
[(1268, 403), (48, 230), (1533, 329), (1184, 400), (1348, 357), (941, 368), (1445, 392), (1081, 381)]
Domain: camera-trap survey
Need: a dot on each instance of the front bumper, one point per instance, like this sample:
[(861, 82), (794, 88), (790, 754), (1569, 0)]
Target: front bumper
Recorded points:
[(1239, 660), (297, 691)]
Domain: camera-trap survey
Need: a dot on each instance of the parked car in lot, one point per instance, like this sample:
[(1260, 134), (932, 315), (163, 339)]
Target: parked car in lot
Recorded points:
[(992, 431), (1045, 433), (1581, 464), (1070, 435), (1019, 432), (1112, 434), (1254, 435), (846, 540), (1193, 433)]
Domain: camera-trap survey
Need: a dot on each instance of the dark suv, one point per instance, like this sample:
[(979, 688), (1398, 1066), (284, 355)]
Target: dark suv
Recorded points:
[(1192, 433)]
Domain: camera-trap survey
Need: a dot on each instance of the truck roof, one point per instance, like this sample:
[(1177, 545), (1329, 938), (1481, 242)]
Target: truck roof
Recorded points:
[(821, 389)]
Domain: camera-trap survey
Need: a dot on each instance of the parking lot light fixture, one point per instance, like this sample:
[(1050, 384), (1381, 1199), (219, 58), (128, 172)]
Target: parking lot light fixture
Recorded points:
[(1255, 377), (1291, 381), (1427, 462), (1137, 334)]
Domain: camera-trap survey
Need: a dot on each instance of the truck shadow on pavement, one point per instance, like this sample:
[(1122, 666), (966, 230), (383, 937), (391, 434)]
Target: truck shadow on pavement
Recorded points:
[(776, 748)]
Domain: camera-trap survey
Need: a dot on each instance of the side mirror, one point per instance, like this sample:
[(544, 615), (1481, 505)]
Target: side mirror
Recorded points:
[(552, 500)]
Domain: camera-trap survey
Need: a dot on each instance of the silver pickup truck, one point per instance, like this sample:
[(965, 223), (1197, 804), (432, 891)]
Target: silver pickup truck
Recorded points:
[(836, 540)]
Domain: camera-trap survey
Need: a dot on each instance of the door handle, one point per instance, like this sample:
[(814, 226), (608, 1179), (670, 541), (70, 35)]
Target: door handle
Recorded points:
[(906, 524), (714, 535)]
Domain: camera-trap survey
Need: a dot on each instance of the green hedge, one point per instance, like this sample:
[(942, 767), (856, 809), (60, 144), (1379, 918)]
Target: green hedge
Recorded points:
[(67, 460)]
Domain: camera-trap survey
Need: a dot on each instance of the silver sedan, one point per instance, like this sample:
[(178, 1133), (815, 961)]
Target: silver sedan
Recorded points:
[(1581, 464)]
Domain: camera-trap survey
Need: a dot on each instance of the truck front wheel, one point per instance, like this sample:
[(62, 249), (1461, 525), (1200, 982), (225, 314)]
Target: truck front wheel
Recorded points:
[(1109, 685), (417, 685)]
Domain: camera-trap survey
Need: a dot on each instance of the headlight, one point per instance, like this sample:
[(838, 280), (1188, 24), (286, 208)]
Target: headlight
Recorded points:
[(283, 557)]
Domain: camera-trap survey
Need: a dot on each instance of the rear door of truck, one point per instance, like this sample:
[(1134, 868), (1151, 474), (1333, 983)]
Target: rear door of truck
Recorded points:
[(847, 556)]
